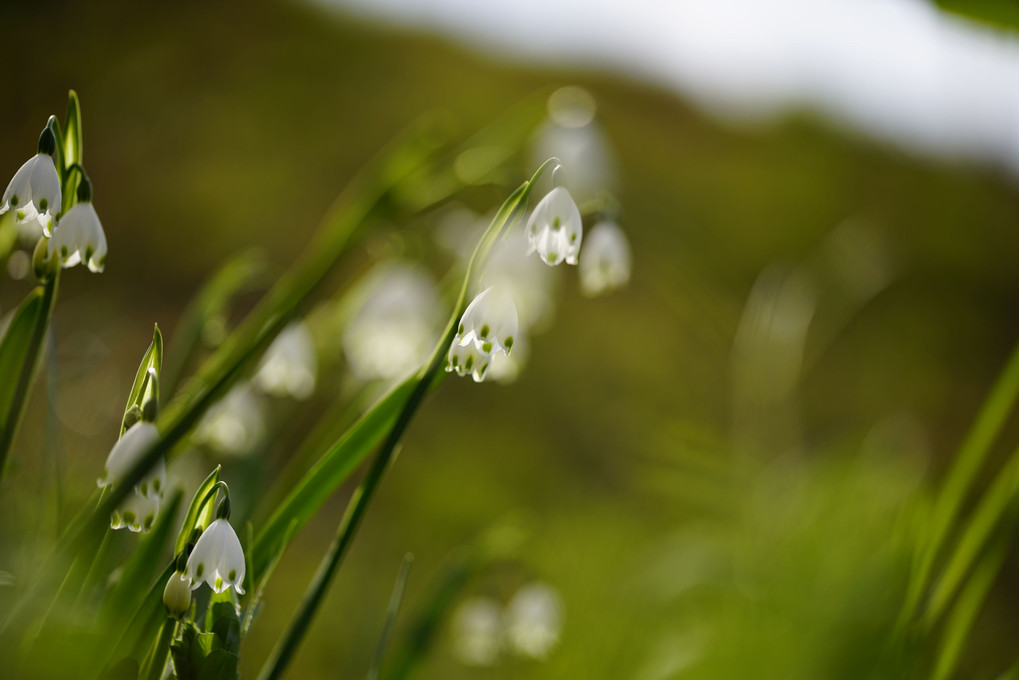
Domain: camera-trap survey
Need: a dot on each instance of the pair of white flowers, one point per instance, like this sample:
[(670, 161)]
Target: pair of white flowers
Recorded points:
[(555, 232), (34, 193)]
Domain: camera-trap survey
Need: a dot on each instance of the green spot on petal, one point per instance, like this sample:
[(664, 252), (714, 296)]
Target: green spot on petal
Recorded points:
[(486, 348), (232, 575), (14, 200), (556, 223), (199, 570), (470, 362), (484, 331), (508, 342), (43, 204)]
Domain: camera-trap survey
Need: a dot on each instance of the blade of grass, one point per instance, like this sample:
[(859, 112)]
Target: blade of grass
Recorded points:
[(394, 608), (277, 662), (978, 442)]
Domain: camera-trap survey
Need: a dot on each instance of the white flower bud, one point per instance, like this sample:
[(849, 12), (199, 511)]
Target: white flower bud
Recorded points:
[(177, 594), (605, 262)]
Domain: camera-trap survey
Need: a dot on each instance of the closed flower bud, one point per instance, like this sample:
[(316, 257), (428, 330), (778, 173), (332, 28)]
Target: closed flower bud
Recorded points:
[(177, 595), (605, 262)]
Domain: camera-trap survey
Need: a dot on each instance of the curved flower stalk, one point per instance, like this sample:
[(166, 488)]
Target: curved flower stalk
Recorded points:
[(606, 260), (78, 237), (555, 229), (289, 366), (217, 558), (393, 330), (34, 192), (488, 325)]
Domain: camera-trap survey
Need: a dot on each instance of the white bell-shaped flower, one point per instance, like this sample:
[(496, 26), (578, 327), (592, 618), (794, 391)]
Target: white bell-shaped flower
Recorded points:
[(217, 559), (490, 321), (78, 238), (393, 330), (534, 619), (137, 513), (477, 631), (289, 365), (34, 192), (126, 453), (234, 424), (468, 359), (606, 260), (555, 228)]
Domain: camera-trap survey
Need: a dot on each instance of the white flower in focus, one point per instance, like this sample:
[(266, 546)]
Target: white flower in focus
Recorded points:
[(79, 239), (217, 559), (394, 328), (137, 513), (477, 631), (555, 229), (126, 453), (490, 322), (34, 192), (534, 620), (234, 424), (606, 260), (289, 365)]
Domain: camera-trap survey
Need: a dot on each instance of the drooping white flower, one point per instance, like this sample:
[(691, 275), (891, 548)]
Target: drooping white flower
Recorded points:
[(555, 229), (34, 191), (477, 630), (394, 327), (606, 260), (289, 365), (234, 424), (126, 453), (534, 620), (78, 238), (490, 321), (468, 359), (573, 135), (217, 559), (137, 513)]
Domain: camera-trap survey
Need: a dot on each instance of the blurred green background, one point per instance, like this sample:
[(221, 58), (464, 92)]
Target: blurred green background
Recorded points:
[(674, 503)]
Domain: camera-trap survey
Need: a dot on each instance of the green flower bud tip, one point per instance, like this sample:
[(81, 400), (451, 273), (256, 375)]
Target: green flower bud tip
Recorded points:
[(47, 141)]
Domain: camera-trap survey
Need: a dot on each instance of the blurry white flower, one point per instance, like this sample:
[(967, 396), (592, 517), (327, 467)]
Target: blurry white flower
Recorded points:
[(177, 594), (530, 283), (468, 359), (477, 632), (137, 513), (394, 329), (34, 192), (606, 260), (217, 559), (126, 453), (234, 424), (572, 135), (555, 229), (534, 620), (289, 365), (78, 237)]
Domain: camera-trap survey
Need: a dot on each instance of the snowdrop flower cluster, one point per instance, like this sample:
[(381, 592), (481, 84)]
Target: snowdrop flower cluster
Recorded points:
[(34, 192), (606, 260), (488, 325), (394, 328), (140, 508), (78, 238), (289, 366), (529, 626)]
